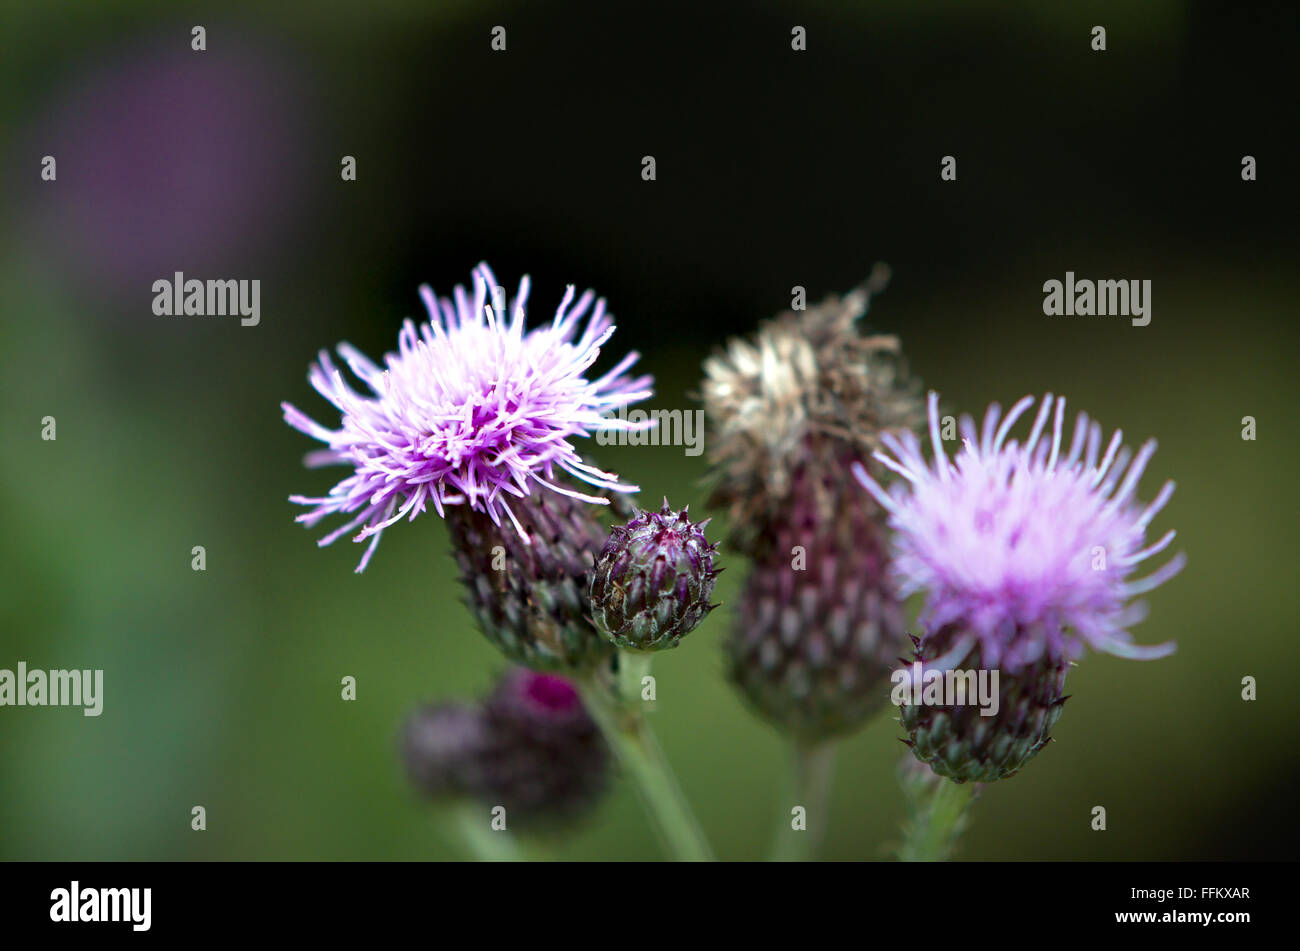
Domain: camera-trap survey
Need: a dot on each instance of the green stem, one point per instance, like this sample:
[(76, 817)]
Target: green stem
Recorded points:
[(633, 666), (473, 824), (627, 731), (938, 812), (811, 769)]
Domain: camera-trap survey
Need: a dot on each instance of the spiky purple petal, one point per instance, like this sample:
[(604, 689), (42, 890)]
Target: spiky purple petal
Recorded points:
[(471, 410), (1028, 548)]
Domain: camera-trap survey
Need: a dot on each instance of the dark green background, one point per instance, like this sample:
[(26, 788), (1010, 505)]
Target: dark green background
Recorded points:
[(774, 169)]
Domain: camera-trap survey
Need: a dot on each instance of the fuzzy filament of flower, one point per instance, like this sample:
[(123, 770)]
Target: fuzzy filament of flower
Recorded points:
[(1026, 549)]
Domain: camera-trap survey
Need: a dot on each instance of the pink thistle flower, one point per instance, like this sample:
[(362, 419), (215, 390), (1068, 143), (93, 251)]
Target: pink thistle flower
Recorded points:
[(1026, 550), (471, 410)]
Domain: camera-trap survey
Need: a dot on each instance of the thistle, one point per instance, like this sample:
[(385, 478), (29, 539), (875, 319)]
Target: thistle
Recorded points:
[(531, 747), (818, 629), (962, 744), (471, 412), (1025, 555), (652, 580), (442, 746), (807, 394), (530, 596), (547, 762)]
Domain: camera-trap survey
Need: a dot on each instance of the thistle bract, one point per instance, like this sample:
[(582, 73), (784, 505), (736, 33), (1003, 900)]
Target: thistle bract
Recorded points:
[(652, 580), (960, 743), (471, 411), (818, 628), (529, 594)]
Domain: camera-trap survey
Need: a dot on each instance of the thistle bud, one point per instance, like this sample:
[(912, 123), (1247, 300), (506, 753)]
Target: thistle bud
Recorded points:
[(547, 761), (529, 593), (531, 747), (652, 580), (959, 742), (442, 747)]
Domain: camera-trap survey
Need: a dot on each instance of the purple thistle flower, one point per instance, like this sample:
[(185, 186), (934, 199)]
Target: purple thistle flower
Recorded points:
[(471, 410), (1026, 550)]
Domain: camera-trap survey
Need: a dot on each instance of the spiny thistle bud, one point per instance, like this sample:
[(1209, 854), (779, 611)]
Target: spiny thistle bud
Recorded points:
[(808, 391), (1024, 553), (530, 595), (547, 761), (442, 746), (962, 744), (651, 583), (818, 629)]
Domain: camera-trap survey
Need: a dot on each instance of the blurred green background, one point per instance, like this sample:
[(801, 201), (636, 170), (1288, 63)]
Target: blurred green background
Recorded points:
[(775, 168)]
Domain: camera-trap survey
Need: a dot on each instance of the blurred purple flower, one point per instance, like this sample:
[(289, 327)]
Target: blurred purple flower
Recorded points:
[(171, 160), (471, 410), (1026, 552)]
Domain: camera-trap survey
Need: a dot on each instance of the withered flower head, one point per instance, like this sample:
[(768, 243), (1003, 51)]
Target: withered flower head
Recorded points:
[(808, 390)]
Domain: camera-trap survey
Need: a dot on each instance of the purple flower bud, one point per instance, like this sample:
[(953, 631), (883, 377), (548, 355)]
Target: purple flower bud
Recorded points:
[(547, 762), (531, 748), (651, 583)]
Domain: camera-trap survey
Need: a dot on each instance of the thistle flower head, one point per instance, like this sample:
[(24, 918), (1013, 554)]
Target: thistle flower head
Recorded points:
[(472, 410), (1026, 549), (548, 762), (808, 391), (531, 747), (538, 703)]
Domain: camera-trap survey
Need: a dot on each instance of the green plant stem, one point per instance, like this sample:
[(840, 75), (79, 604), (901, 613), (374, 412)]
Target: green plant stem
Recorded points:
[(938, 812), (812, 767), (472, 824), (627, 731), (633, 666)]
